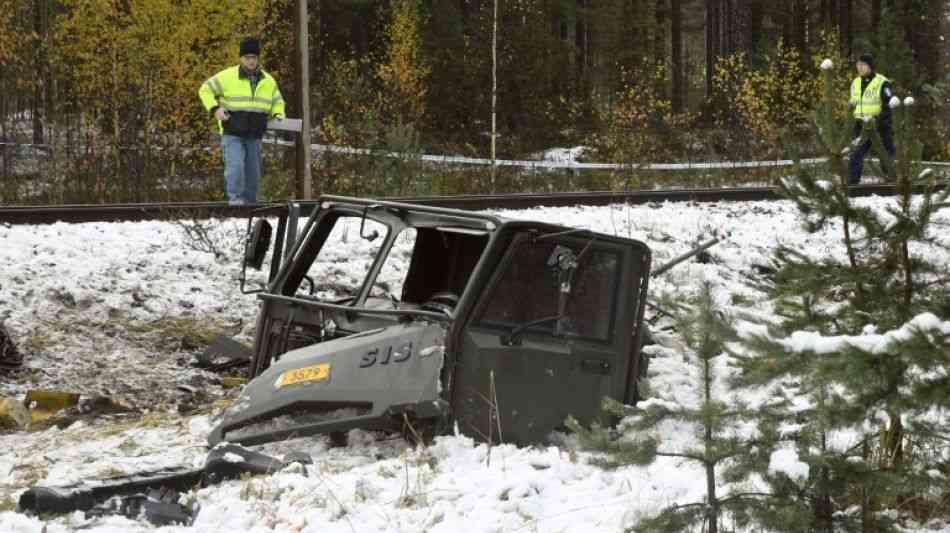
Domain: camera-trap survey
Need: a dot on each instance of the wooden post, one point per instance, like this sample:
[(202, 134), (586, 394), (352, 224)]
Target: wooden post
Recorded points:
[(304, 183)]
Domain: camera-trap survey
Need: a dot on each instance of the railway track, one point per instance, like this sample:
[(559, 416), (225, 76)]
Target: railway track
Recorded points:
[(48, 214)]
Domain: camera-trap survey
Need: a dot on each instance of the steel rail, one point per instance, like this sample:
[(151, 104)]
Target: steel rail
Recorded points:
[(78, 213)]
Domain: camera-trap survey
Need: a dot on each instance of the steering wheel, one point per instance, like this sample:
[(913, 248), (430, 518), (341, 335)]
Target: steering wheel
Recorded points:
[(441, 302)]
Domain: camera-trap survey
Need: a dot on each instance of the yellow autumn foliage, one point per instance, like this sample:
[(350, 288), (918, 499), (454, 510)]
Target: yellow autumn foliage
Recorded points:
[(351, 102), (129, 73), (778, 97), (7, 36), (147, 58), (404, 71), (637, 122), (842, 72)]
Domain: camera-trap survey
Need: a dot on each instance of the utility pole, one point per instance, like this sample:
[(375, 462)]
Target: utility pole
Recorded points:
[(304, 185), (494, 93)]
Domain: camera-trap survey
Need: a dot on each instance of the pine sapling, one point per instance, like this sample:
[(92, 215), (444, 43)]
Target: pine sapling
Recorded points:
[(714, 420), (848, 383)]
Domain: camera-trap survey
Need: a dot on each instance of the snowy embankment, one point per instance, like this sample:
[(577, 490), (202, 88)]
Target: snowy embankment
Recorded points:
[(90, 304)]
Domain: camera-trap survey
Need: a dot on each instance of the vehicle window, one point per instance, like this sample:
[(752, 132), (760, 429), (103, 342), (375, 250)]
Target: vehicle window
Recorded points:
[(528, 290), (392, 275), (340, 267)]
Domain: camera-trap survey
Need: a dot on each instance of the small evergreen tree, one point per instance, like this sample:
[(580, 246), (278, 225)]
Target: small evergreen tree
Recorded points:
[(720, 445), (876, 393), (836, 410)]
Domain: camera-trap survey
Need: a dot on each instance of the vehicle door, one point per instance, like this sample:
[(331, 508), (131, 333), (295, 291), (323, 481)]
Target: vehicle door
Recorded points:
[(520, 389)]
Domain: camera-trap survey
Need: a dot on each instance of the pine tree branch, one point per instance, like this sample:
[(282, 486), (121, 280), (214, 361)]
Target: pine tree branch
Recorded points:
[(684, 506), (743, 495), (940, 281), (698, 458)]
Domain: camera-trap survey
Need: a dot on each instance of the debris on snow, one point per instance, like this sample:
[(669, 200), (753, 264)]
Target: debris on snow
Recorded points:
[(13, 414), (449, 488)]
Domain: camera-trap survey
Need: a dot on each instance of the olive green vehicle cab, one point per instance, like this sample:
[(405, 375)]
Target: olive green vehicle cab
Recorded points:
[(392, 316)]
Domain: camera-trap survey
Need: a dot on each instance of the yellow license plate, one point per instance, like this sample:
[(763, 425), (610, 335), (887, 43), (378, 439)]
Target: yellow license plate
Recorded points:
[(302, 375)]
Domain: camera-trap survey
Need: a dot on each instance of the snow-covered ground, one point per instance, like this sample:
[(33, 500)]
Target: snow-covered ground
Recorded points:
[(92, 305)]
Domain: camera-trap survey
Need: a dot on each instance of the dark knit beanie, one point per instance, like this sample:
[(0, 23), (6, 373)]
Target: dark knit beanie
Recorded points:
[(867, 59), (250, 46)]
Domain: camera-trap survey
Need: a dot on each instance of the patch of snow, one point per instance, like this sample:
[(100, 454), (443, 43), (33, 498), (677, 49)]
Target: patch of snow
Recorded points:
[(232, 457), (563, 155), (80, 287), (786, 461)]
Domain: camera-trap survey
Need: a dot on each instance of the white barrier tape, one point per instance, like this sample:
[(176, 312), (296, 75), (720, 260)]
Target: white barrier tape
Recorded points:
[(293, 124), (568, 164)]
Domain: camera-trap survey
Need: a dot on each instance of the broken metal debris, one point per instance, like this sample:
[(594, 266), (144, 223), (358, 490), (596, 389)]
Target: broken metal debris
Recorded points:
[(154, 493), (44, 404), (13, 414), (45, 408), (158, 507), (224, 353)]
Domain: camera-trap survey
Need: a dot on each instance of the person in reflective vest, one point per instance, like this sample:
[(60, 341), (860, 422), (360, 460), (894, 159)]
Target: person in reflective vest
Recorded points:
[(242, 98), (871, 95)]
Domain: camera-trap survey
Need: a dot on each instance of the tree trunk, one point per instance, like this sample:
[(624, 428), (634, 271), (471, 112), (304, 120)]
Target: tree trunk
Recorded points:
[(676, 38), (712, 502), (297, 189), (875, 15), (712, 42), (824, 507), (582, 38), (115, 121), (844, 25), (922, 33), (725, 28), (801, 29), (659, 37), (4, 149), (753, 26), (936, 10), (709, 442), (39, 23), (316, 57)]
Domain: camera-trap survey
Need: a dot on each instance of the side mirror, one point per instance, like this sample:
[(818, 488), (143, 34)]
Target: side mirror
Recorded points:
[(258, 242), (563, 261)]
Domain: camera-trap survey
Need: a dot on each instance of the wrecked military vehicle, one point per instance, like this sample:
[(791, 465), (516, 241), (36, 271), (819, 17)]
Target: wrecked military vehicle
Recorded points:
[(501, 328)]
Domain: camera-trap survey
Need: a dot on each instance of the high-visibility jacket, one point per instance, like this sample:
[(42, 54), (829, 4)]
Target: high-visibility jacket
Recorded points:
[(867, 104), (248, 104)]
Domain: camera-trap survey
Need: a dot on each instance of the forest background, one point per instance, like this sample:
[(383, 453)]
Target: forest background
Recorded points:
[(98, 98)]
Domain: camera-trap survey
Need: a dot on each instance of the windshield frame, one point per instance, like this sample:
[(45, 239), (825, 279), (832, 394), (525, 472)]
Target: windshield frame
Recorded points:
[(314, 237)]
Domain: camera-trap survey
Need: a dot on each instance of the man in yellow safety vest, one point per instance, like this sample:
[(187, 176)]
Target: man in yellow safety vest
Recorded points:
[(242, 98), (871, 96)]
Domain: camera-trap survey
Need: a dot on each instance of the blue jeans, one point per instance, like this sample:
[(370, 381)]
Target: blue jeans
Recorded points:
[(856, 163), (242, 168)]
